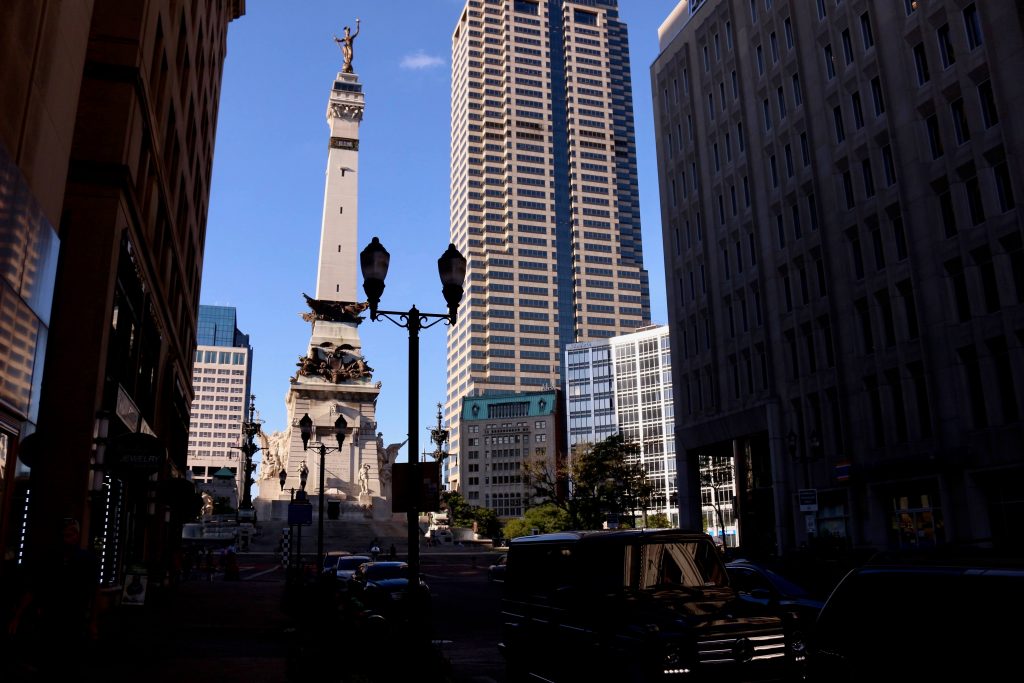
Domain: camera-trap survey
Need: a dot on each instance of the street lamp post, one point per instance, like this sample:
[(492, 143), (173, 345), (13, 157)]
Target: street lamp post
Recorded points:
[(250, 429), (306, 431), (374, 261)]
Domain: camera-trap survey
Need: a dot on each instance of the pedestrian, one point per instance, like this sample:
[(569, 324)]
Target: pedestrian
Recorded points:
[(58, 605)]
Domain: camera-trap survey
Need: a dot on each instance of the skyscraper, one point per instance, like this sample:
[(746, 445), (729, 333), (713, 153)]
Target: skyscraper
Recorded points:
[(544, 199), (221, 377), (844, 265)]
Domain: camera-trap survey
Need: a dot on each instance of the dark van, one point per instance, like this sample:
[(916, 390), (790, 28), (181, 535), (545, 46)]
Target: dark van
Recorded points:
[(635, 605)]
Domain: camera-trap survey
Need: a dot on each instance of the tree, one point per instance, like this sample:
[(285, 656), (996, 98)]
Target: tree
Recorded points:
[(604, 480), (546, 518), (462, 514), (659, 520), (713, 475)]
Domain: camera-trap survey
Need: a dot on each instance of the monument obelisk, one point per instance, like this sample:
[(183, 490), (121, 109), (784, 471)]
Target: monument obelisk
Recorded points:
[(333, 379)]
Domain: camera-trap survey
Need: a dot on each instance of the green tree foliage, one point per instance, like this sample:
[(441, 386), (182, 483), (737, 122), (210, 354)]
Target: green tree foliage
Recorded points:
[(605, 480), (659, 520), (462, 514), (544, 518)]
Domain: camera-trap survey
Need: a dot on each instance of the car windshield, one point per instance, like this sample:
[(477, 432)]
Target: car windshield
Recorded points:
[(351, 563), (387, 571)]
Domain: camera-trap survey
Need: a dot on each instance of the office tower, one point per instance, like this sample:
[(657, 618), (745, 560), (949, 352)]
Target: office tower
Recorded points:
[(109, 111), (221, 379), (844, 265), (625, 384), (544, 200), (505, 433)]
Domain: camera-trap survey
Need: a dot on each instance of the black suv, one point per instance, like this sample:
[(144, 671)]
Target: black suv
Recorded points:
[(926, 618), (649, 605)]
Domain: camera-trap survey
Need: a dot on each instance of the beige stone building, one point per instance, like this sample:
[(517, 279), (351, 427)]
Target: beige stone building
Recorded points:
[(843, 255)]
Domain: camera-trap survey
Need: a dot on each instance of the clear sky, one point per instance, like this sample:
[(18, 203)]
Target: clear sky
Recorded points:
[(266, 201)]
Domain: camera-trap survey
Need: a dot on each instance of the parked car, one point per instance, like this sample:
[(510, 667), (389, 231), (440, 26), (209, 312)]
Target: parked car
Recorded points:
[(346, 566), (767, 587), (635, 605), (496, 572), (923, 620), (331, 560), (383, 587)]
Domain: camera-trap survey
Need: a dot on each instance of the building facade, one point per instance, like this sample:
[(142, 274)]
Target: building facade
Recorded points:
[(544, 199), (109, 111), (838, 184), (625, 384), (221, 379), (504, 435)]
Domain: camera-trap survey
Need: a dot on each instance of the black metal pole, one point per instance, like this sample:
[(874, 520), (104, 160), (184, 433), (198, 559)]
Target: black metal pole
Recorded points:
[(415, 483), (320, 519)]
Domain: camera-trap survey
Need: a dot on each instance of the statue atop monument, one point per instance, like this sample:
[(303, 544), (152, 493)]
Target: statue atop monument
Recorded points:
[(346, 47)]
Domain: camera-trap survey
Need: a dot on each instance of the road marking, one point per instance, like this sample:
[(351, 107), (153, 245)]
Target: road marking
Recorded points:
[(265, 571)]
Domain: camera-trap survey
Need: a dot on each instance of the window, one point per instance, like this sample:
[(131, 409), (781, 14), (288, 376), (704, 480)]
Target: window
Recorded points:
[(847, 46), (781, 228), (753, 11), (910, 6), (899, 236), (1004, 188), (735, 86), (934, 136), (760, 61), (830, 64), (728, 34), (858, 112), (837, 117), (960, 125), (869, 181), (805, 149), (889, 166), (946, 51), (707, 61), (821, 9), (788, 26), (775, 171), (767, 115), (782, 103), (921, 62), (948, 213), (989, 115), (848, 189), (865, 31), (774, 42), (789, 161), (876, 96), (972, 25), (718, 48), (798, 97), (974, 202)]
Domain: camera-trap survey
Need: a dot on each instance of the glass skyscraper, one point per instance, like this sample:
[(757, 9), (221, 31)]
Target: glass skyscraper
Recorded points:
[(544, 199)]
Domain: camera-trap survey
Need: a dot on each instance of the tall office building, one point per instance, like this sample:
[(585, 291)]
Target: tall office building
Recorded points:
[(544, 199), (221, 378), (625, 384), (108, 115), (844, 264)]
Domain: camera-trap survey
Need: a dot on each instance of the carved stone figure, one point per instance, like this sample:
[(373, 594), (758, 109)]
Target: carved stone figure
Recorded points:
[(364, 479), (342, 364), (346, 47)]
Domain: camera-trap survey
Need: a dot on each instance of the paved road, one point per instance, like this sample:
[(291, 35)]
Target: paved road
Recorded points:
[(249, 630)]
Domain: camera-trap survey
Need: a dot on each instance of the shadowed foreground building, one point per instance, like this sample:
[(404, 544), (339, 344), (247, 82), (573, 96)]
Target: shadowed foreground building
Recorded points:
[(844, 264), (108, 112)]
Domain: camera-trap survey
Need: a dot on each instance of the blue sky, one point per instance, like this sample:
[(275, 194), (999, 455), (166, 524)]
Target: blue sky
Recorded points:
[(266, 201)]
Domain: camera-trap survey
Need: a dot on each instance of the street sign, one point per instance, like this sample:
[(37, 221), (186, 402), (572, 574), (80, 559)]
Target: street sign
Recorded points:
[(808, 499), (300, 513)]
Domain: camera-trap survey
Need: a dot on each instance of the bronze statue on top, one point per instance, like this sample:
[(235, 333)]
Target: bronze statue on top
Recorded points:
[(346, 47)]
